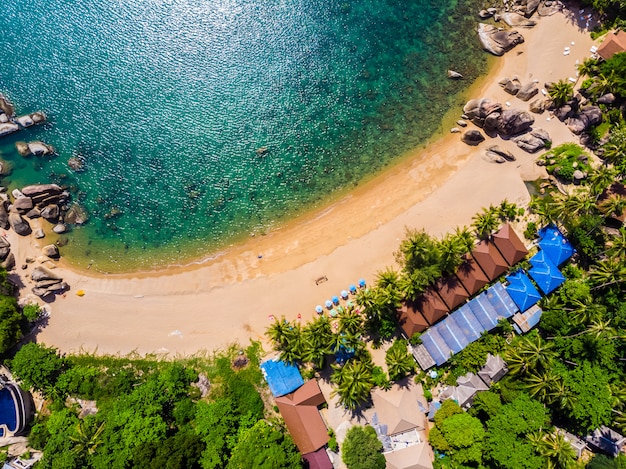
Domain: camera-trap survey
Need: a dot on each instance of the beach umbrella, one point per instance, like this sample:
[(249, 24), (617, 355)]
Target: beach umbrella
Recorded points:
[(335, 300), (333, 312), (344, 294), (362, 283), (329, 304), (352, 289), (341, 309), (319, 309), (350, 304)]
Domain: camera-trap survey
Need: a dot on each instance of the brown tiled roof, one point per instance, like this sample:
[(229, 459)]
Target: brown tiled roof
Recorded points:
[(510, 245), (451, 291), (398, 408), (613, 43), (431, 306), (471, 276), (303, 419), (411, 319), (317, 460), (489, 259)]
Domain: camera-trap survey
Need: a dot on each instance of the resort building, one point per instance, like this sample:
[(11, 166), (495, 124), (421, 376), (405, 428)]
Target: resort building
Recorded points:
[(606, 440), (465, 390), (16, 409), (299, 403), (613, 43), (494, 370), (400, 423)]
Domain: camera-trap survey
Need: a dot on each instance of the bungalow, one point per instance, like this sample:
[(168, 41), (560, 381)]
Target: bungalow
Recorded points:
[(494, 369), (606, 440), (612, 44), (465, 390)]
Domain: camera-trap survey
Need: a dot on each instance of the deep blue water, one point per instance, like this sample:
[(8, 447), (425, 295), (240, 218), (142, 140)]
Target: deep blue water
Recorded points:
[(168, 102)]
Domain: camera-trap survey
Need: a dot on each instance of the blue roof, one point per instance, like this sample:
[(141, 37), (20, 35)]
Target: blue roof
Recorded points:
[(555, 245), (484, 311), (522, 290), (281, 377), (436, 346), (453, 343), (533, 319), (501, 301), (467, 323), (545, 273)]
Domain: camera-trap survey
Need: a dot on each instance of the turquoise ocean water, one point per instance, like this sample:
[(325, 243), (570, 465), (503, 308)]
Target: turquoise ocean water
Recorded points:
[(168, 101)]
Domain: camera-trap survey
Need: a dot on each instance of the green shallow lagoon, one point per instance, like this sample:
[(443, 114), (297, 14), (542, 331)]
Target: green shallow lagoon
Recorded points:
[(169, 101)]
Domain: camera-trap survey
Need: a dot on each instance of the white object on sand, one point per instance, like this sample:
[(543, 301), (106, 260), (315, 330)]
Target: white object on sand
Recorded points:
[(507, 103), (572, 79), (572, 43), (544, 92), (566, 52)]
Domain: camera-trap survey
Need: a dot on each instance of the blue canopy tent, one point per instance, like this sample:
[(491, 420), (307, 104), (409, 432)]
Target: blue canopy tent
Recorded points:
[(521, 290), (555, 245), (545, 274)]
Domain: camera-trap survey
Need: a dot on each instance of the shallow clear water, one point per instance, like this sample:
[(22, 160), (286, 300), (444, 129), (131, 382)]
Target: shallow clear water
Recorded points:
[(168, 102)]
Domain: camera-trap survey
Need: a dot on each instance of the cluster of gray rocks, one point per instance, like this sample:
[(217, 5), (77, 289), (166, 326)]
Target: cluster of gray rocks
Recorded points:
[(515, 14), (508, 123)]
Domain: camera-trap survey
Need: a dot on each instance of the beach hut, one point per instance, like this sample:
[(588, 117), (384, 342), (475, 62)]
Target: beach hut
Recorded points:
[(489, 259), (411, 319), (282, 377), (451, 291), (545, 274), (471, 275), (431, 306), (554, 245), (613, 43), (510, 245), (521, 290)]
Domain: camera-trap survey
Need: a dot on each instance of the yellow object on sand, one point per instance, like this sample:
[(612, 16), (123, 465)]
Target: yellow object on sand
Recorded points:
[(80, 293)]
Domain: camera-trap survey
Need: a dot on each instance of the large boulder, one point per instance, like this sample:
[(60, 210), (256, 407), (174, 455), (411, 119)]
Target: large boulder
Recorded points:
[(531, 6), (4, 214), (45, 194), (496, 40), (8, 128), (6, 106), (76, 215), (473, 137), (542, 134), (507, 155), (23, 204), (19, 225), (39, 148), (51, 213), (517, 20), (514, 121), (511, 86), (25, 121), (608, 98), (41, 273), (51, 250), (539, 105), (564, 112), (9, 262), (478, 109), (586, 118), (529, 143), (491, 122), (529, 90)]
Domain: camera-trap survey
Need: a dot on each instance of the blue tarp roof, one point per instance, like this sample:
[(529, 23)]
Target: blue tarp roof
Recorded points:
[(281, 377), (545, 274), (467, 323), (522, 290), (555, 245)]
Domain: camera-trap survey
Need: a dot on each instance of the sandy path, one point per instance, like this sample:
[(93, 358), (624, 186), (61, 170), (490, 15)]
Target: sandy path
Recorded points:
[(229, 298)]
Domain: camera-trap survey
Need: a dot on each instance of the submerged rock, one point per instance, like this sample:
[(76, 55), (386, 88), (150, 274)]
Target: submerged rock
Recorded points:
[(76, 215), (8, 128), (454, 75)]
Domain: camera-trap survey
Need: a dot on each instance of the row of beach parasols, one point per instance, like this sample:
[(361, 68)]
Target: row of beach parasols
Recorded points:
[(333, 305)]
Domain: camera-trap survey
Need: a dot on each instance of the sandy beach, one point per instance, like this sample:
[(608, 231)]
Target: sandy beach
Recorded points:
[(229, 298)]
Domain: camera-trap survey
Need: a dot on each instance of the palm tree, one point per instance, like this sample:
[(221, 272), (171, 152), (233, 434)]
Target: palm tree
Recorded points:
[(603, 84), (530, 354), (318, 336), (87, 438), (366, 299), (562, 396), (466, 238), (557, 450), (485, 222), (585, 311), (507, 211), (294, 347), (351, 323), (542, 385), (576, 204), (544, 209), (607, 272), (387, 278), (416, 250), (353, 381), (399, 362), (561, 92), (277, 332), (451, 251), (600, 178), (617, 245), (613, 205), (588, 68)]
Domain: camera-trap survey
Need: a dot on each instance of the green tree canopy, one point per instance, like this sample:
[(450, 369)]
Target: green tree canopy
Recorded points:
[(265, 447), (460, 437), (38, 366), (362, 449)]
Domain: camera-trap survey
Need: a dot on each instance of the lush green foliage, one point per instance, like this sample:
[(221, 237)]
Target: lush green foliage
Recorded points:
[(362, 450), (399, 361), (460, 436), (148, 414), (563, 160)]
